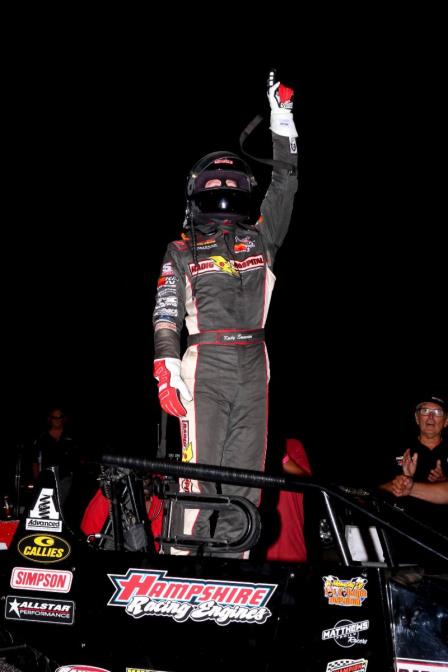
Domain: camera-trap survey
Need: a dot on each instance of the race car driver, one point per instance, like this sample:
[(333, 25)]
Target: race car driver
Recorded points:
[(218, 279)]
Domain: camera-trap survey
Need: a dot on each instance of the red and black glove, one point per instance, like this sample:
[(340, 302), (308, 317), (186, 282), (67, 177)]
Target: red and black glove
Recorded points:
[(281, 102), (167, 373)]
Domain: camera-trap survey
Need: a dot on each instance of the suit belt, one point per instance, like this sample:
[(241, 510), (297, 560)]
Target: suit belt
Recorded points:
[(227, 337)]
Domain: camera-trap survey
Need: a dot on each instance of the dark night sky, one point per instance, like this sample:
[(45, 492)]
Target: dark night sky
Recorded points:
[(99, 143)]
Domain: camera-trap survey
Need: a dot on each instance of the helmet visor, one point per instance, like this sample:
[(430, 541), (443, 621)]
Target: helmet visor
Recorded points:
[(223, 201)]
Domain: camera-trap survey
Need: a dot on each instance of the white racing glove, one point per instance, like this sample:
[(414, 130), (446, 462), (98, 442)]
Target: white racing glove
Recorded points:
[(167, 372), (281, 102)]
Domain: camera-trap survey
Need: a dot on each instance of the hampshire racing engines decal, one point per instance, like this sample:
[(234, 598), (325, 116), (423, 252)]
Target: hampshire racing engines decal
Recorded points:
[(151, 593)]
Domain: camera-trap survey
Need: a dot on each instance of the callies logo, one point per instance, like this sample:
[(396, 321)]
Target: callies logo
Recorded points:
[(347, 665), (45, 580), (152, 593), (345, 592), (38, 609), (44, 548), (44, 515)]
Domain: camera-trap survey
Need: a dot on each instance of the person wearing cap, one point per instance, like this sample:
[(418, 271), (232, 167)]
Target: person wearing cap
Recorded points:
[(425, 463)]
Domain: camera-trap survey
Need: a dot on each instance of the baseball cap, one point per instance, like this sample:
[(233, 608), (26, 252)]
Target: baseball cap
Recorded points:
[(434, 399)]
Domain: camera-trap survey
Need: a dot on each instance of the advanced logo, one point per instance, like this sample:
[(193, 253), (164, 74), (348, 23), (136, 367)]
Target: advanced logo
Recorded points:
[(45, 548), (45, 580), (346, 633), (44, 515), (345, 592), (38, 609), (151, 593), (347, 665)]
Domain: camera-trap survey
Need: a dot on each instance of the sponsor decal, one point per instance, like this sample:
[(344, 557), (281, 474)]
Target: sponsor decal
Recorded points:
[(39, 609), (187, 448), (399, 460), (345, 592), (186, 485), (46, 580), (44, 515), (243, 244), (164, 324), (141, 669), (409, 665), (206, 244), (346, 633), (216, 264), (151, 593), (167, 269), (250, 263), (81, 668), (170, 300), (347, 665), (44, 548), (166, 281)]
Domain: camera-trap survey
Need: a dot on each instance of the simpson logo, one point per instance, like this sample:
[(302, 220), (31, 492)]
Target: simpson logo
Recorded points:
[(345, 592), (152, 593), (346, 633), (409, 665), (81, 668), (37, 609), (44, 515), (46, 580), (44, 548), (347, 665)]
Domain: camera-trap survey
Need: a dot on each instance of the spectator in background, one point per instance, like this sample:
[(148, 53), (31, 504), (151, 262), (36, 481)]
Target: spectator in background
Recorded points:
[(290, 545), (55, 447), (426, 462)]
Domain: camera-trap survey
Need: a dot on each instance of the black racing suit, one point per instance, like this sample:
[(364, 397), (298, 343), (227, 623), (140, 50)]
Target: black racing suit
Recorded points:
[(224, 301)]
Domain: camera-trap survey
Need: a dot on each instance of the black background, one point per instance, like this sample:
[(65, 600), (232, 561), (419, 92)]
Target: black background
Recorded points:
[(101, 127)]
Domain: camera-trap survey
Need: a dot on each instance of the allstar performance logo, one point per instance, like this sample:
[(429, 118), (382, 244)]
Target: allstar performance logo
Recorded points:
[(44, 515), (346, 633), (39, 610), (44, 580), (152, 593)]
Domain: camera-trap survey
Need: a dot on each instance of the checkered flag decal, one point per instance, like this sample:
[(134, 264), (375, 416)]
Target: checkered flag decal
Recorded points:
[(336, 665)]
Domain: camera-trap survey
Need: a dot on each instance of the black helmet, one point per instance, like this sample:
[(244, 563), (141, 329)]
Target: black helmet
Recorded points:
[(219, 186)]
